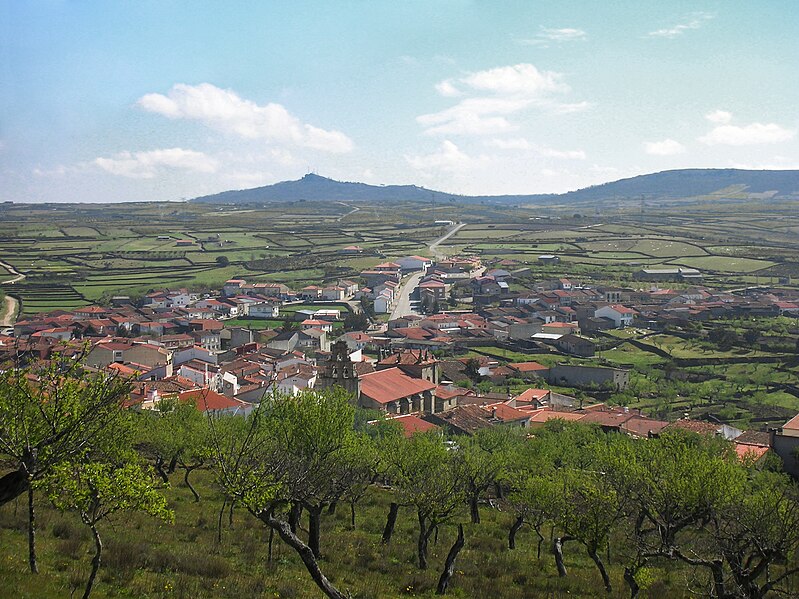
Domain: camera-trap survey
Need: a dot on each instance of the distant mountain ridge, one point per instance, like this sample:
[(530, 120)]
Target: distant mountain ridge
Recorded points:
[(674, 184)]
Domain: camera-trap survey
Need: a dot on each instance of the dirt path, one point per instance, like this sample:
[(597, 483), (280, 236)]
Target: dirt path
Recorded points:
[(11, 305), (434, 246)]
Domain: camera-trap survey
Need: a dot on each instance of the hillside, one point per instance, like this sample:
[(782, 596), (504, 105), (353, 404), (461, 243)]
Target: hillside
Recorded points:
[(675, 184)]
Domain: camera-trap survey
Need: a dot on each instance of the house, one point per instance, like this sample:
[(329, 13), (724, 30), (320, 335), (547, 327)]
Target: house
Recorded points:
[(576, 345), (461, 420), (668, 274), (383, 302), (351, 250), (412, 424), (414, 263), (586, 376), (529, 370), (548, 259), (184, 242), (263, 309), (311, 323), (334, 293), (417, 363), (395, 392), (785, 441), (310, 292), (620, 315), (211, 401)]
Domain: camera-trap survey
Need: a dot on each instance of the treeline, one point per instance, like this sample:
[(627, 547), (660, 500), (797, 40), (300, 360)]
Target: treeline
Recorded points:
[(293, 461)]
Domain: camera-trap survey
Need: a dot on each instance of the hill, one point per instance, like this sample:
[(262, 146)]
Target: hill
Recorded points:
[(675, 184)]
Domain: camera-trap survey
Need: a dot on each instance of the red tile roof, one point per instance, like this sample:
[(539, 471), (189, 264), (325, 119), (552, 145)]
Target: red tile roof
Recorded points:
[(205, 399), (531, 395), (527, 366), (411, 424), (389, 385)]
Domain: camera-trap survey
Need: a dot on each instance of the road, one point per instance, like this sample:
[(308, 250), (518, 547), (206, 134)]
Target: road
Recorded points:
[(434, 246), (403, 305), (11, 304)]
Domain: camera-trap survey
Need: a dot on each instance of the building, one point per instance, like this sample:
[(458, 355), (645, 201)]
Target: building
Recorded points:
[(395, 392), (620, 315), (585, 376)]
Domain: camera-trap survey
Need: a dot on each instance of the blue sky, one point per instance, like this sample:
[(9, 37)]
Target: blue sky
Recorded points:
[(162, 100)]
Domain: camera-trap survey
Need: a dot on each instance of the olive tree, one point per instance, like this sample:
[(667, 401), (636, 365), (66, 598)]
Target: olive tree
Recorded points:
[(51, 414), (97, 490)]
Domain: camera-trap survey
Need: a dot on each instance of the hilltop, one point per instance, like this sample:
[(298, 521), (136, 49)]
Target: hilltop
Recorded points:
[(667, 185)]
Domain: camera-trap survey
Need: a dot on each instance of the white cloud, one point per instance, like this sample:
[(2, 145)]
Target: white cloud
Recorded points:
[(523, 79), (720, 117), (548, 35), (521, 144), (692, 21), (225, 111), (447, 89), (667, 147), (146, 165), (448, 158), (736, 135), (496, 94)]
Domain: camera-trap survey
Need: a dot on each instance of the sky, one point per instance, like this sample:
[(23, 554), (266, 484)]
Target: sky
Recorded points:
[(165, 100)]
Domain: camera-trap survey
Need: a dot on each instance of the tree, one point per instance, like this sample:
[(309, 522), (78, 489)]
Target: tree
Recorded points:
[(423, 471), (176, 435), (356, 322), (97, 490), (672, 498), (50, 415), (222, 261), (481, 460), (290, 452)]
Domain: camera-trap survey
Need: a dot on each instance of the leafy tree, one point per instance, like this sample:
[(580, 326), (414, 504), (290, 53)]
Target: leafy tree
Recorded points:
[(290, 452), (97, 490), (222, 261), (53, 414), (423, 471), (356, 322), (176, 435), (481, 460)]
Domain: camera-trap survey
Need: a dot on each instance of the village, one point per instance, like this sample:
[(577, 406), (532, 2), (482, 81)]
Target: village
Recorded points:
[(395, 340)]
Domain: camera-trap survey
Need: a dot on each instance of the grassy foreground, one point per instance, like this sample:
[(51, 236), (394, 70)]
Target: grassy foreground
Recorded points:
[(147, 558)]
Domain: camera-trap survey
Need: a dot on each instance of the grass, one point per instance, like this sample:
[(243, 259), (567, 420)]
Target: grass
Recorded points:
[(145, 558)]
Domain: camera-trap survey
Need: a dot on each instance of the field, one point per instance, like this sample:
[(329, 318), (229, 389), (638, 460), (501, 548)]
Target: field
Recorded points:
[(145, 558), (74, 255)]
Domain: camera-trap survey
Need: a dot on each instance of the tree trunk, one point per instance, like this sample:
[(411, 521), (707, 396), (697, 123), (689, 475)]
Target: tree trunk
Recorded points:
[(474, 509), (294, 517), (305, 553), (12, 485), (352, 515), (391, 521), (540, 541), (517, 524), (219, 522), (173, 463), (601, 567), (557, 551), (271, 540), (315, 529), (629, 578), (188, 484), (449, 565), (230, 513), (32, 533), (424, 537), (331, 509), (98, 551), (499, 491), (159, 467)]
